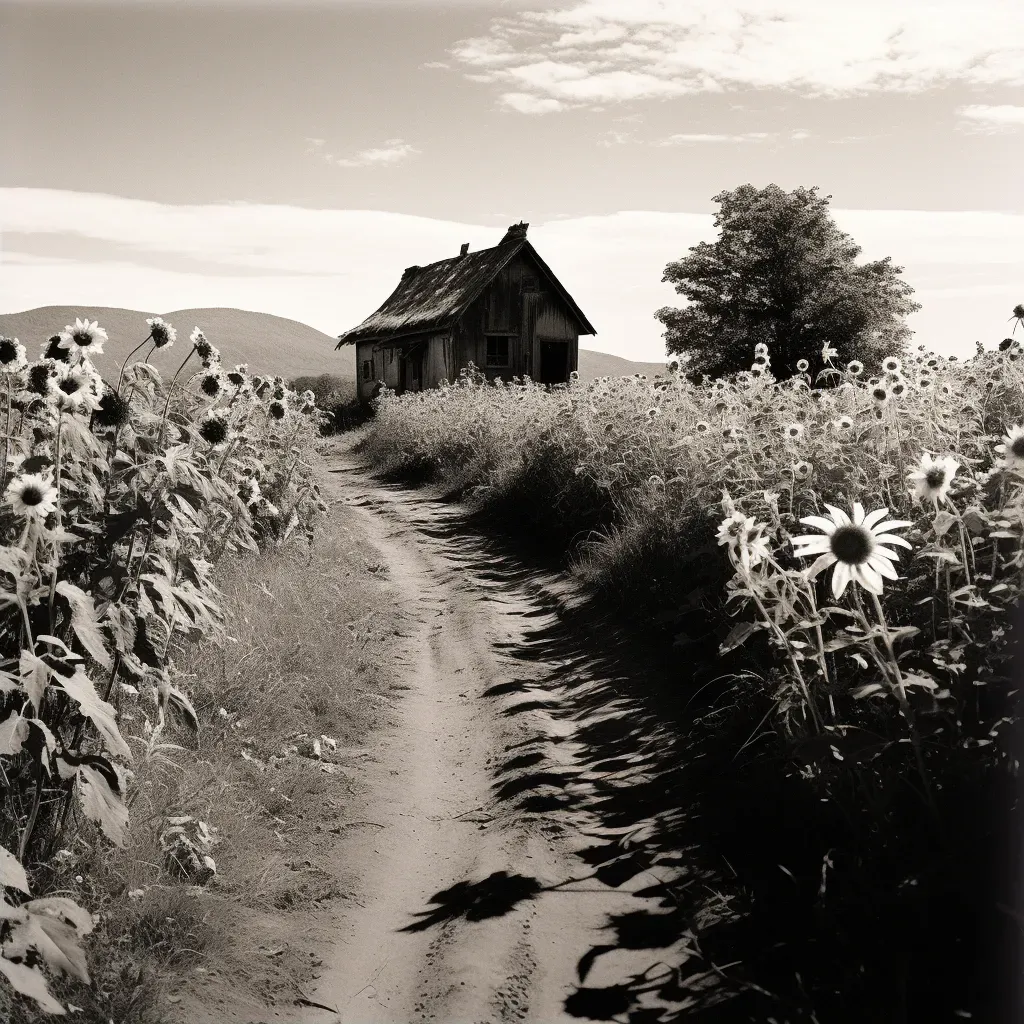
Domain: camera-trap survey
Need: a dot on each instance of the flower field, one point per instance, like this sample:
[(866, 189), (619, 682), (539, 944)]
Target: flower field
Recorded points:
[(120, 498), (845, 553)]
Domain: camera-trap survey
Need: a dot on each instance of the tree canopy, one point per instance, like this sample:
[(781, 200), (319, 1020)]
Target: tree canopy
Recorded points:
[(782, 273)]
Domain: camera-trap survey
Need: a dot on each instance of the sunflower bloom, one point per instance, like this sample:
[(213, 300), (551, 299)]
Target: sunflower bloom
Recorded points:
[(12, 355), (32, 495), (857, 547), (162, 333), (932, 478), (1012, 448), (83, 336)]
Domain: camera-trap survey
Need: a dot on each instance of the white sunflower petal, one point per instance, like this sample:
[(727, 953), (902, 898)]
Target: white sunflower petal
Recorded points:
[(869, 578), (892, 556), (820, 523), (812, 546), (840, 517), (883, 567), (891, 524), (821, 563), (891, 538), (874, 517), (858, 513), (840, 579)]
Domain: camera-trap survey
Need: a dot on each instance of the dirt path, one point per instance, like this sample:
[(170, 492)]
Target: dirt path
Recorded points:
[(428, 815)]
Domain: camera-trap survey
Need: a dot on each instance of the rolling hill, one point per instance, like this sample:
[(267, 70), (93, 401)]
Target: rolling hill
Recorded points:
[(269, 344)]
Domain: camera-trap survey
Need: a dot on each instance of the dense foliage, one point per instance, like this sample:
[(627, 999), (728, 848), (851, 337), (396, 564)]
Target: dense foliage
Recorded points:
[(119, 500), (854, 717), (781, 272)]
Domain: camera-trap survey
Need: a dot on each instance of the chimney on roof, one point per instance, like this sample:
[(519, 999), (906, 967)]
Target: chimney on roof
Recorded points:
[(516, 232), (464, 249), (410, 272)]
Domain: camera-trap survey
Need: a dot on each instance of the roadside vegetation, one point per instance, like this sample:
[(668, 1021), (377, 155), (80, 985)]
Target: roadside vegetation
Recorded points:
[(169, 697), (836, 558)]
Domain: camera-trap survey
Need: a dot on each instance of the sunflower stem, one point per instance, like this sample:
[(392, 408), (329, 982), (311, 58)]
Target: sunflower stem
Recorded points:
[(120, 376), (900, 693)]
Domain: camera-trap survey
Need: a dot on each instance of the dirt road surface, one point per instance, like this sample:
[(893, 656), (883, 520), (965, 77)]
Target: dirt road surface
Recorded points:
[(453, 918)]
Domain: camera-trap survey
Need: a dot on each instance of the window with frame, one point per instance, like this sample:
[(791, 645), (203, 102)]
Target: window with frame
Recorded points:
[(367, 369), (497, 351)]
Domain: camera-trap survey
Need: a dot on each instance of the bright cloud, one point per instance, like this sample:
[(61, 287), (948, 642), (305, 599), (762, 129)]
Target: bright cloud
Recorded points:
[(597, 51), (393, 151), (1003, 117), (683, 138), (332, 268)]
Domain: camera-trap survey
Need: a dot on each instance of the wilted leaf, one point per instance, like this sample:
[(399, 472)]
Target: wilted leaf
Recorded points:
[(79, 687), (942, 522), (101, 804), (12, 874), (13, 733), (85, 622), (35, 674), (737, 636), (29, 981)]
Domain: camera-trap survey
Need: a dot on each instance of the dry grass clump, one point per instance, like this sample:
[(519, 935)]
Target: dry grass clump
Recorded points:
[(302, 658)]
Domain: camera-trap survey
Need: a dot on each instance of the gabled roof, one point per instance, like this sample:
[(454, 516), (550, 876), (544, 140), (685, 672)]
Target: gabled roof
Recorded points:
[(435, 297)]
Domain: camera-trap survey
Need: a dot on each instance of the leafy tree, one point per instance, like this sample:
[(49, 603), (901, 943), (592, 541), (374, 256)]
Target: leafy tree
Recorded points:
[(782, 273)]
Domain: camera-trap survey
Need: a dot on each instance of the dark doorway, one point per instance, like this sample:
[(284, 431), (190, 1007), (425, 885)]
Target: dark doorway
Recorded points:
[(410, 372), (554, 362)]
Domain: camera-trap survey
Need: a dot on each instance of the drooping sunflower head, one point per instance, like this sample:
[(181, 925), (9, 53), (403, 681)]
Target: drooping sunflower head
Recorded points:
[(162, 333), (12, 355)]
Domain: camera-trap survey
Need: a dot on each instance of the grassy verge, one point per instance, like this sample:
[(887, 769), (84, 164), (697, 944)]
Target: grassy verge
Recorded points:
[(303, 659)]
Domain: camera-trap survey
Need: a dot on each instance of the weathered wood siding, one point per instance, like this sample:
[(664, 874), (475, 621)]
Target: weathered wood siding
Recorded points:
[(521, 306)]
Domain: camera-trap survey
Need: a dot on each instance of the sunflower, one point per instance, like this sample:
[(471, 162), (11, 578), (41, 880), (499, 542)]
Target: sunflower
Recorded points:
[(162, 333), (880, 395), (793, 431), (802, 365), (891, 364), (211, 384), (802, 469), (76, 388), (899, 389), (857, 547), (855, 368), (828, 353), (924, 381), (33, 495), (277, 410), (206, 352), (932, 478), (1012, 448), (83, 336), (701, 427), (249, 490), (761, 350), (214, 429), (744, 539), (237, 376), (12, 355), (844, 423)]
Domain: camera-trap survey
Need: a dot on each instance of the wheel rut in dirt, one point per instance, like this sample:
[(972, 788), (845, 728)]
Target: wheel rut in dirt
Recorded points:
[(509, 762)]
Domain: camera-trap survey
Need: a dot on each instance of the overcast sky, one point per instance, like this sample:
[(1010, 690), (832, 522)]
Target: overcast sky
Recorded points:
[(294, 157)]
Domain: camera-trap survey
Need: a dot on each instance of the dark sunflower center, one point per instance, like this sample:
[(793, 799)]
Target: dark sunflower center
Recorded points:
[(1017, 447), (70, 385), (82, 338), (935, 477), (236, 378), (277, 410), (214, 431), (211, 385), (32, 495), (880, 394), (8, 350), (160, 336), (851, 544)]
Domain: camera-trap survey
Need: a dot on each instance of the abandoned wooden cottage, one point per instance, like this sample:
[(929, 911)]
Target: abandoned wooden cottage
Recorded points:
[(501, 309)]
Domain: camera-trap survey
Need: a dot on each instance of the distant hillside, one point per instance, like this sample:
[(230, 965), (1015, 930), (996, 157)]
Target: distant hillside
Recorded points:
[(269, 344), (601, 364)]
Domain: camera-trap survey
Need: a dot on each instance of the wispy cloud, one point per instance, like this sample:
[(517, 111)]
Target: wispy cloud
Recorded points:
[(695, 137), (999, 118), (393, 151), (598, 51)]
